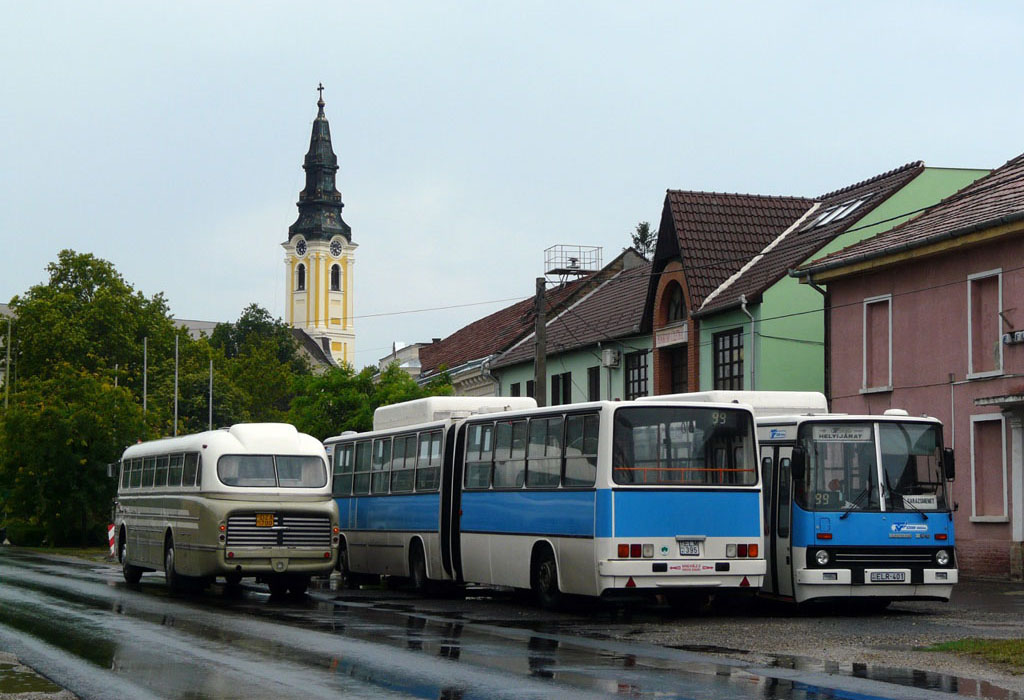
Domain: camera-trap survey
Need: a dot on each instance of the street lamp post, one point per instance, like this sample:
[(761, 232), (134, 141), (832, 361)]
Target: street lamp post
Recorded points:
[(7, 366)]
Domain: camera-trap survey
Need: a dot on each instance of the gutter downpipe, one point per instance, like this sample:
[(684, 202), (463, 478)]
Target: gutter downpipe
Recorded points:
[(827, 323), (753, 342)]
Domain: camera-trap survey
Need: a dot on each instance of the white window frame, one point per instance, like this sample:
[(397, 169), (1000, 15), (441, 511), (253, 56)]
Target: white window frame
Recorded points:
[(971, 374), (864, 388), (1005, 517)]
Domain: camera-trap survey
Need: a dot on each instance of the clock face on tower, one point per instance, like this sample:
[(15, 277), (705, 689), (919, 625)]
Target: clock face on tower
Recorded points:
[(300, 247), (335, 248)]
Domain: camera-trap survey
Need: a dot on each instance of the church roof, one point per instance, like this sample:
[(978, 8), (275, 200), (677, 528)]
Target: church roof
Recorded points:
[(320, 202)]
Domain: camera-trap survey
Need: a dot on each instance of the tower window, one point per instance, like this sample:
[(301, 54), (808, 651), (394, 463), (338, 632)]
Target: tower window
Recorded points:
[(335, 278), (300, 278)]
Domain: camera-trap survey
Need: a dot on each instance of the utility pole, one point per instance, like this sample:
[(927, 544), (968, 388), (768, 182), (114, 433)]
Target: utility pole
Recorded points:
[(175, 385), (7, 367), (211, 393), (540, 370)]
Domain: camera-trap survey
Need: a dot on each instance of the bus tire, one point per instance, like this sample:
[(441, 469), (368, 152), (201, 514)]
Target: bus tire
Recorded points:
[(132, 574), (297, 586), (233, 579), (544, 578), (175, 582), (418, 569), (349, 579), (278, 585)]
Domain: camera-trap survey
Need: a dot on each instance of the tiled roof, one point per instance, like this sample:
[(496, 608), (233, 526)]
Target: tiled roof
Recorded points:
[(992, 200), (806, 238), (613, 310), (494, 333), (718, 233)]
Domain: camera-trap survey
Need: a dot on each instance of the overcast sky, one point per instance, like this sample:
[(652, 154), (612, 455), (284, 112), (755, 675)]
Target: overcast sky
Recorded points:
[(168, 137)]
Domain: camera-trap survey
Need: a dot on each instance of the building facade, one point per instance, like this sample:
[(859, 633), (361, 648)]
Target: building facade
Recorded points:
[(320, 254)]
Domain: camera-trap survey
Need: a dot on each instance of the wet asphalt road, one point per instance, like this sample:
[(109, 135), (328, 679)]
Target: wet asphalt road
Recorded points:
[(83, 627)]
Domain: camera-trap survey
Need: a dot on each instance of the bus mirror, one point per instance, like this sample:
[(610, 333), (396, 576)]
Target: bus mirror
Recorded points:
[(797, 463), (949, 463)]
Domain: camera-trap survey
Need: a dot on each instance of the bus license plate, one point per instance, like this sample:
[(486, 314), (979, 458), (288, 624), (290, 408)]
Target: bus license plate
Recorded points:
[(689, 548), (264, 520), (888, 577)]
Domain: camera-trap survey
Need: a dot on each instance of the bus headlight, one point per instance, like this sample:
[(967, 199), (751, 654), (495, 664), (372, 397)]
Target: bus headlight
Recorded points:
[(942, 557), (821, 556)]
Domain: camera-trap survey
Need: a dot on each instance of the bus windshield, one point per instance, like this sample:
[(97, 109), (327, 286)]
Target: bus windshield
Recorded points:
[(272, 471), (683, 446), (843, 467)]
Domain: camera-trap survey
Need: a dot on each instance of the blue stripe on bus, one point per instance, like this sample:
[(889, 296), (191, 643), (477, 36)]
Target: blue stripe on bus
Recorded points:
[(560, 513), (671, 513), (414, 512), (872, 529)]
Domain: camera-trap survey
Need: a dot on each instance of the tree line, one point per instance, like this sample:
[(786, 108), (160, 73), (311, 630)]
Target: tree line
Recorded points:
[(93, 371)]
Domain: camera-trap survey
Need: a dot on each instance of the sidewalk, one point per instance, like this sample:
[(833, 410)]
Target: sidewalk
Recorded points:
[(21, 682)]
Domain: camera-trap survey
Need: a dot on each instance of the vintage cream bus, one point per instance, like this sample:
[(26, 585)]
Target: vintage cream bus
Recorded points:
[(252, 500)]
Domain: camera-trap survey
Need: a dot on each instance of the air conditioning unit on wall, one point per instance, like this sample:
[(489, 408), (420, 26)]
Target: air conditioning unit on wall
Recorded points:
[(610, 358)]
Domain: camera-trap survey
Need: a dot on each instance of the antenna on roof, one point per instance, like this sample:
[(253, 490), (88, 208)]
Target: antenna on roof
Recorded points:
[(565, 261)]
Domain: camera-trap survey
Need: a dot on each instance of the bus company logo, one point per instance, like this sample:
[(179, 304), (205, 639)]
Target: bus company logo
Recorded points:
[(777, 434), (909, 527), (664, 551)]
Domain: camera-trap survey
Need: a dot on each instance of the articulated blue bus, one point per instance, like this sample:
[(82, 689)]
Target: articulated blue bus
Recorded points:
[(596, 499), (857, 508)]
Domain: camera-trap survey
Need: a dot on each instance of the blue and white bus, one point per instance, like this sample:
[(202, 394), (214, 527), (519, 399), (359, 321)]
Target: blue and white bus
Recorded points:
[(594, 499), (856, 506)]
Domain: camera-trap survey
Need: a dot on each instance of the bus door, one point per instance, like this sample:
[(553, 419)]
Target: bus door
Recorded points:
[(779, 517), (451, 500)]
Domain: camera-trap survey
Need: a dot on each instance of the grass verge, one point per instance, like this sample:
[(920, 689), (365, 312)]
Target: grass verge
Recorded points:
[(91, 553), (1003, 651)]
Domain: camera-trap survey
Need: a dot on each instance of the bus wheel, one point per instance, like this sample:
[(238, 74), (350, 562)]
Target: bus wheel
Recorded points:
[(132, 574), (545, 580), (297, 586), (173, 578), (233, 579), (418, 569), (278, 586)]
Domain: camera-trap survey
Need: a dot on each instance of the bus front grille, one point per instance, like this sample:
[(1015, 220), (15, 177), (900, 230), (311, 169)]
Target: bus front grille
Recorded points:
[(288, 530)]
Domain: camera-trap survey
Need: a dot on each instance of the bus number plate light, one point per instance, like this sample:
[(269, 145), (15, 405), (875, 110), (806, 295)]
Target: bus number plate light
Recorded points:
[(689, 548), (264, 520)]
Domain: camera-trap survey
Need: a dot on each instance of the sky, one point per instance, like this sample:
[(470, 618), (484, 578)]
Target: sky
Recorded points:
[(168, 138)]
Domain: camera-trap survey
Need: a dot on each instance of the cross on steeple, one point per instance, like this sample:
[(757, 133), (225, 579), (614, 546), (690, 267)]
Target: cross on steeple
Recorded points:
[(320, 89)]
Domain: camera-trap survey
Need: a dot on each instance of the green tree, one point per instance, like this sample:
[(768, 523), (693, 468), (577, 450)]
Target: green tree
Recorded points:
[(342, 399), (59, 434), (644, 239), (257, 325)]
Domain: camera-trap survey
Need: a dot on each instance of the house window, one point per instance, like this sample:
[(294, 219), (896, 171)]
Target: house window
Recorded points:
[(335, 278), (514, 390), (984, 337), (561, 388), (678, 370), (988, 469), (636, 375), (728, 366), (676, 307), (594, 383), (877, 349), (530, 390), (300, 278)]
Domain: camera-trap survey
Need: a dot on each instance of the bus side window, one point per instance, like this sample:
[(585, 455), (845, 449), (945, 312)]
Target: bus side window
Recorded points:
[(428, 461), (161, 470), (479, 455), (361, 480), (342, 470), (381, 465), (403, 461), (174, 470), (126, 470), (545, 453), (581, 450), (148, 472), (188, 474)]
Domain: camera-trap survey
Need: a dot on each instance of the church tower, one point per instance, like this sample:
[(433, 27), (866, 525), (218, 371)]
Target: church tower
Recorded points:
[(319, 253)]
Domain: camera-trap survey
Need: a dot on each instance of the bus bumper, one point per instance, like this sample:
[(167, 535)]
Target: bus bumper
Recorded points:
[(652, 574), (278, 561), (934, 584)]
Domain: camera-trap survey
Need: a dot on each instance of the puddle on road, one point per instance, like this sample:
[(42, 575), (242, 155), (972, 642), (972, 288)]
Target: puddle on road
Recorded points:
[(15, 678)]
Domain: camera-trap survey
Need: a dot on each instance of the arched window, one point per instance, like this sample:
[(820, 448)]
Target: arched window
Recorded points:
[(676, 307), (300, 278), (335, 278)]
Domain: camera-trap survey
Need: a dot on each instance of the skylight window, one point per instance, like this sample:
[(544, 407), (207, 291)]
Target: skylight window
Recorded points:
[(838, 212)]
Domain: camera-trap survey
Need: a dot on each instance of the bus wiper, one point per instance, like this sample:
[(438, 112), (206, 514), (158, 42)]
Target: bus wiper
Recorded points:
[(856, 501), (906, 503)]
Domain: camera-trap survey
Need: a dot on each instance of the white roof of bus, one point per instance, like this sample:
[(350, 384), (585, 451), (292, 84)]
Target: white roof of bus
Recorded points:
[(437, 408), (764, 403), (253, 438)]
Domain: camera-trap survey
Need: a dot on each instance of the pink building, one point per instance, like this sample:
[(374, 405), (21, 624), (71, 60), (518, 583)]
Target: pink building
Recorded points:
[(929, 317)]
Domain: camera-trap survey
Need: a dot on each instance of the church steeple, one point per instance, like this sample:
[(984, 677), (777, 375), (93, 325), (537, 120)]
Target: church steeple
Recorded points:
[(320, 202)]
